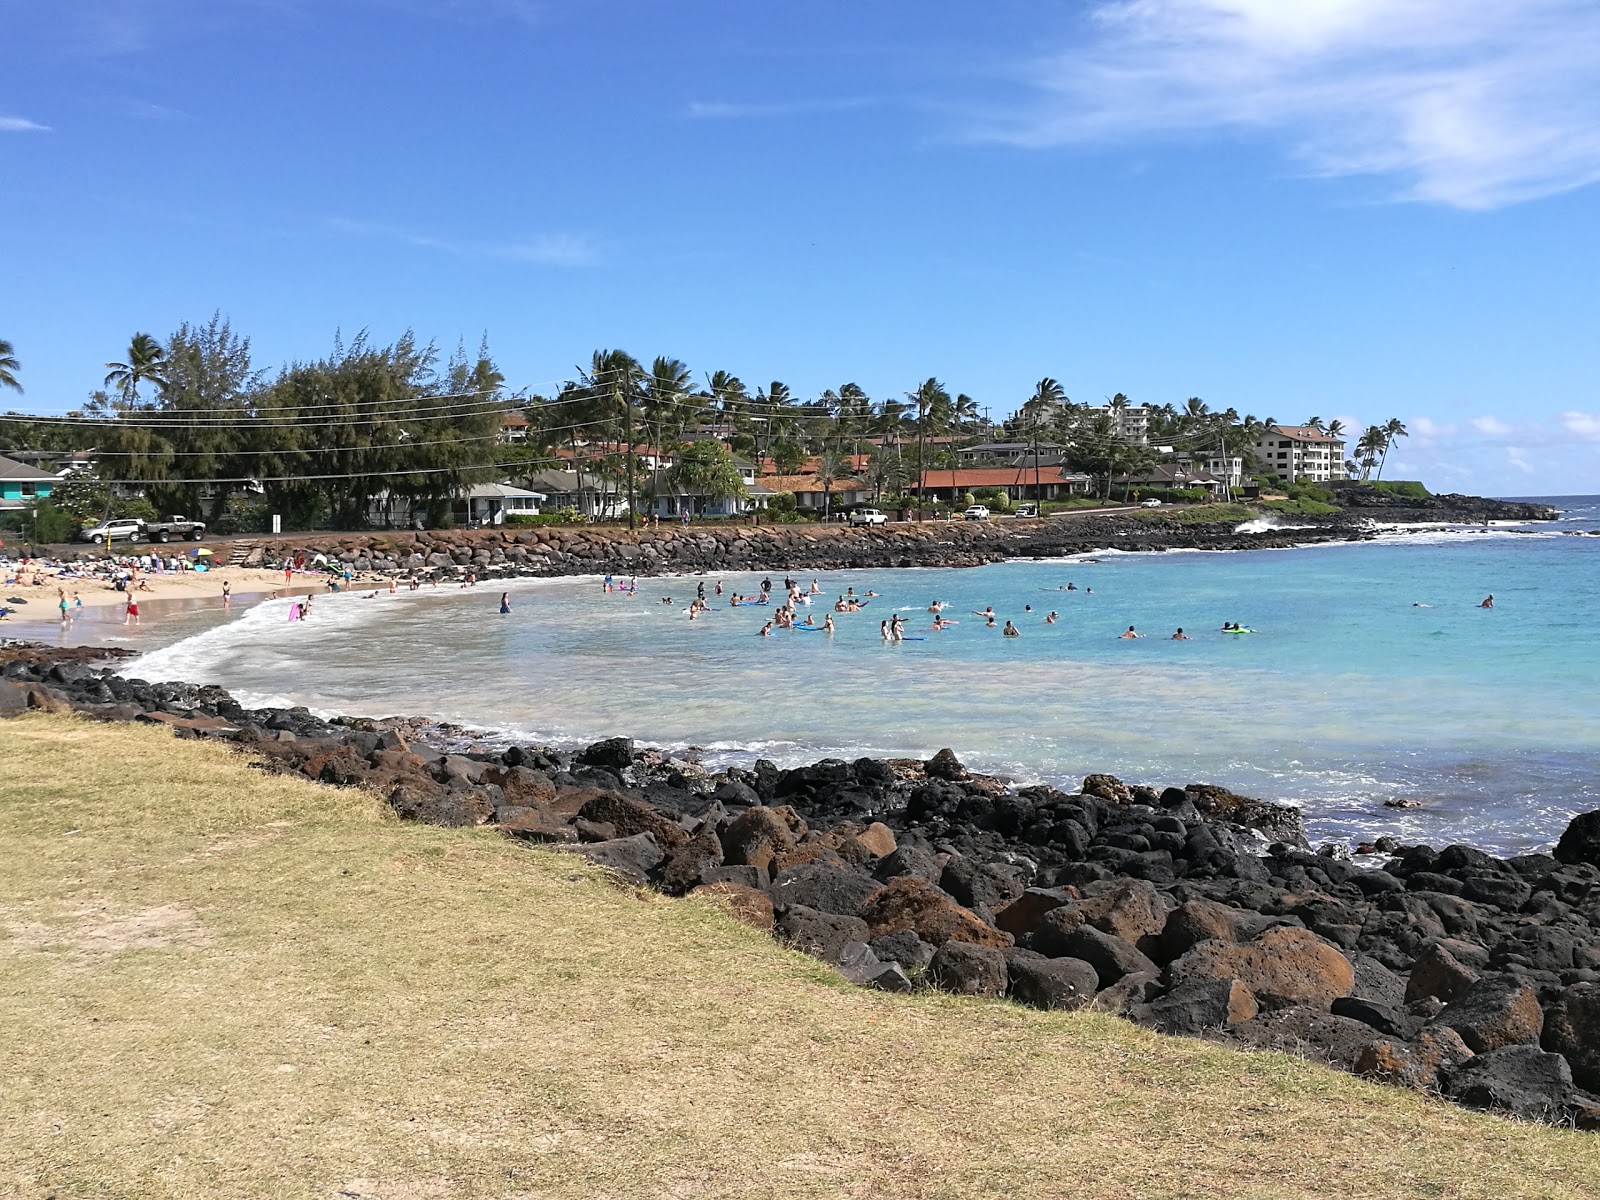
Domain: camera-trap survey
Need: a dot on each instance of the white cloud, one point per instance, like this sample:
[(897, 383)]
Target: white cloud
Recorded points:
[(1490, 426), (1470, 103), (545, 250), (1429, 430), (1519, 460), (1581, 424), (21, 125)]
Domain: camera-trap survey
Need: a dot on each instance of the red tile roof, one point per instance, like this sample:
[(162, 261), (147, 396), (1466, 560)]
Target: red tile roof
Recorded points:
[(1305, 433)]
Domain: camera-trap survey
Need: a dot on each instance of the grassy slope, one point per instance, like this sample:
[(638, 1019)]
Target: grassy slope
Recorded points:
[(214, 983)]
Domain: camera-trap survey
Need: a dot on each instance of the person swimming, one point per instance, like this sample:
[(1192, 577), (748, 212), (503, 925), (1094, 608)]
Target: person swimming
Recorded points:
[(940, 624), (1027, 608), (1010, 631), (1051, 619), (1180, 636), (936, 607), (1488, 601), (883, 630), (1132, 633), (988, 611), (988, 622)]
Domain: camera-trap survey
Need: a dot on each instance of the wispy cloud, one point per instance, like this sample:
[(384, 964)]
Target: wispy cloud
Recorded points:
[(711, 109), (544, 250), (1490, 426), (1469, 103), (1582, 424), (21, 125), (1518, 459)]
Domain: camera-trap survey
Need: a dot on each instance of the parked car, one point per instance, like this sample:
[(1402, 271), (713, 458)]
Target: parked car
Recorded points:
[(1152, 503), (175, 527), (977, 512), (1026, 510), (112, 531), (868, 516)]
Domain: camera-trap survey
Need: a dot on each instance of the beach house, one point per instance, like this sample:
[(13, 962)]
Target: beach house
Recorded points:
[(21, 485)]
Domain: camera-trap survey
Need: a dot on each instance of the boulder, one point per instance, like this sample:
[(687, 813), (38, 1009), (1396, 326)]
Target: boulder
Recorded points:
[(968, 970), (1196, 1007), (823, 887), (907, 902), (612, 753), (1580, 841), (973, 883), (909, 860), (905, 948), (1283, 967), (1308, 1032), (859, 964), (1022, 915), (746, 905), (1438, 973), (878, 839), (1572, 1029), (1496, 1011), (819, 934), (1414, 1064), (631, 857), (1110, 956), (1050, 983), (755, 836), (423, 800), (1129, 909), (629, 817), (945, 765), (1522, 1080), (1127, 992), (1387, 1020), (686, 866)]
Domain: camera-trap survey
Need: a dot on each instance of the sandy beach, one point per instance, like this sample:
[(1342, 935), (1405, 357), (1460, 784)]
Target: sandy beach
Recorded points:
[(252, 582)]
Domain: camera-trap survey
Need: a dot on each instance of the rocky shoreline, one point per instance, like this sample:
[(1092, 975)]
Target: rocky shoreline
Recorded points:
[(1189, 910), (544, 551)]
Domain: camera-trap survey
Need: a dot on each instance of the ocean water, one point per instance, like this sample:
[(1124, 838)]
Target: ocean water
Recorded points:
[(1373, 675)]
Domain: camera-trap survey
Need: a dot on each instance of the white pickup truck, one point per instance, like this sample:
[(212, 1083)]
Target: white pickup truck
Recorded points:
[(868, 516)]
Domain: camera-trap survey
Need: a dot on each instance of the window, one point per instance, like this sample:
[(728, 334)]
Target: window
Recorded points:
[(29, 490)]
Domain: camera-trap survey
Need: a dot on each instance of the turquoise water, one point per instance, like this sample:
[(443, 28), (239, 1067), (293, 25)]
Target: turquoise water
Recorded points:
[(1345, 696)]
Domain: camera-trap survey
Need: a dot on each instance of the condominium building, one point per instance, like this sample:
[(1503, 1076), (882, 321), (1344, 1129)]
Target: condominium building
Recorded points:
[(1131, 421), (1295, 452)]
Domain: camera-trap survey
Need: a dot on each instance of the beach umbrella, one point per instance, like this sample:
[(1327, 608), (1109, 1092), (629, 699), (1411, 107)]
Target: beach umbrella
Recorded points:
[(202, 552)]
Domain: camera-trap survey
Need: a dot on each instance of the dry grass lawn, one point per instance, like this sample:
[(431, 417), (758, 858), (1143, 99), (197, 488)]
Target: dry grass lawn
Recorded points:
[(218, 984)]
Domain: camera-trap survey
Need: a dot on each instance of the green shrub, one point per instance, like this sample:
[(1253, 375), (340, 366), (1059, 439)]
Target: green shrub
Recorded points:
[(1200, 514), (561, 516)]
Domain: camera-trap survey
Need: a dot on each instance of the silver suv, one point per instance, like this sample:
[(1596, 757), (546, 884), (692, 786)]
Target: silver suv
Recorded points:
[(110, 531)]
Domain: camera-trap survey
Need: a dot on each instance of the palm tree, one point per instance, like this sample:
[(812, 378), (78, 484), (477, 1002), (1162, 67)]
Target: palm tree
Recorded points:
[(663, 405), (612, 385), (1372, 443), (930, 398), (1392, 429), (1315, 423), (9, 366), (146, 362), (830, 466), (1335, 428)]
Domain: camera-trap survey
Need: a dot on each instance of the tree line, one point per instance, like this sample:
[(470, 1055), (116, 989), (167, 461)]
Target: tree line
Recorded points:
[(194, 423)]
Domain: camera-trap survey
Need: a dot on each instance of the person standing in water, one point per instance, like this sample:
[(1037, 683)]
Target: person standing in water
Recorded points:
[(1180, 636), (130, 615), (1132, 633), (505, 602), (227, 594), (1488, 601), (1010, 631)]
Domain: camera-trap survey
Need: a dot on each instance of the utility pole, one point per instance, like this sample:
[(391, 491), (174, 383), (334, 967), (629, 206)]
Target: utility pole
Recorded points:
[(627, 437), (1037, 496)]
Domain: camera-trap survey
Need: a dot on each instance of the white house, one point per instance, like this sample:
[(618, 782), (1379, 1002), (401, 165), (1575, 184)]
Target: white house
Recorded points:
[(481, 504), (1295, 452)]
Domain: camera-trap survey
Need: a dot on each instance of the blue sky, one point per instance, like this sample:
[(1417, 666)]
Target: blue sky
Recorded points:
[(1352, 208)]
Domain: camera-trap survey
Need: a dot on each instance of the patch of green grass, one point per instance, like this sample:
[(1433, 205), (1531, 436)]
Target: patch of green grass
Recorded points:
[(1310, 508), (219, 983)]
